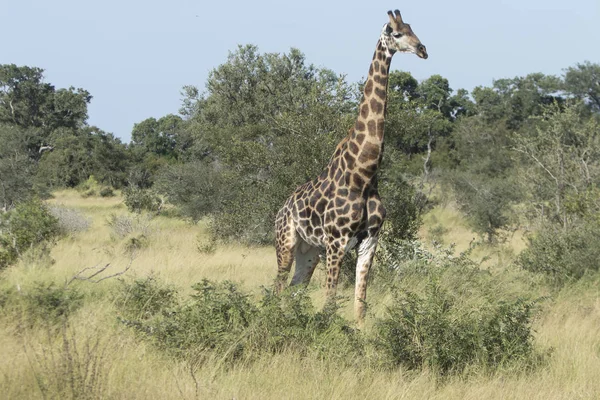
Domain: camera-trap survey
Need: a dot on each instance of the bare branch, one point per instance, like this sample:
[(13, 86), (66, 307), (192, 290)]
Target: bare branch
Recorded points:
[(91, 278), (538, 162)]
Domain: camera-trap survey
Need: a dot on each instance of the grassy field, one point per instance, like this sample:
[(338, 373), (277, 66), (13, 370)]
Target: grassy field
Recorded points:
[(99, 356)]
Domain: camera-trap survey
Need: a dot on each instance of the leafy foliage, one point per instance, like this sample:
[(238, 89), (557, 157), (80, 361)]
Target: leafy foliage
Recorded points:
[(27, 225), (563, 255), (448, 314), (221, 319)]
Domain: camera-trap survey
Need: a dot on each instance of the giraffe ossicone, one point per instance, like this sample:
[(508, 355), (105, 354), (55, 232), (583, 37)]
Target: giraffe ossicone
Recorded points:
[(341, 209)]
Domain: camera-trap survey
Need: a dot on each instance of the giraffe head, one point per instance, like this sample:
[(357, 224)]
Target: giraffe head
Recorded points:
[(398, 36)]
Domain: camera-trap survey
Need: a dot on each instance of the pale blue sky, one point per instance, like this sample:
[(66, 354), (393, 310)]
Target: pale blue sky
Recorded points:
[(134, 56)]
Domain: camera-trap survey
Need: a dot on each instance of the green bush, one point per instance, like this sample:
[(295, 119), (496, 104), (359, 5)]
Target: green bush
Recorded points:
[(52, 303), (433, 330), (195, 188), (27, 225), (220, 319), (448, 314), (138, 200), (107, 191), (145, 298), (563, 255)]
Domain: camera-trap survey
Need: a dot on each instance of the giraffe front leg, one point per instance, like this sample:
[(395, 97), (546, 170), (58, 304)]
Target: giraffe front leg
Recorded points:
[(335, 254), (366, 252)]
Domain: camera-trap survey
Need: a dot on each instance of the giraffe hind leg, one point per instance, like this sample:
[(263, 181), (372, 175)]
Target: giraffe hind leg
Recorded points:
[(307, 258), (285, 247)]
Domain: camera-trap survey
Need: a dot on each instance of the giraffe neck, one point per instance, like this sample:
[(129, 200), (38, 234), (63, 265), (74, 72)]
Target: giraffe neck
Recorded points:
[(365, 140)]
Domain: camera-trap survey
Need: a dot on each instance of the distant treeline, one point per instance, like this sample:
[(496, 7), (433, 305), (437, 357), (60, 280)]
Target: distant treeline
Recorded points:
[(522, 152)]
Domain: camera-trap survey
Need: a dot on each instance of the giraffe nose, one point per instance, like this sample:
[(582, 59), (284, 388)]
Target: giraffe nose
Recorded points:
[(422, 51)]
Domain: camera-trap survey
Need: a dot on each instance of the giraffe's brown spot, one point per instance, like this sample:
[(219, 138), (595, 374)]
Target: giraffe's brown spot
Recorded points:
[(372, 206), (359, 125), (346, 209), (353, 148), (369, 85), (339, 201), (364, 110), (372, 128), (320, 207), (357, 207), (360, 138), (341, 221), (349, 161), (318, 232), (376, 106), (342, 192), (380, 93), (353, 195), (323, 186), (374, 220), (376, 66), (380, 125), (366, 171), (382, 80), (331, 189), (338, 175), (315, 220), (380, 56), (371, 70), (358, 180), (370, 152)]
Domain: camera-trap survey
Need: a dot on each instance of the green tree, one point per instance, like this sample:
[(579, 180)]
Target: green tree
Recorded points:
[(29, 102), (484, 178), (267, 123), (583, 81), (79, 153), (17, 169), (561, 160), (515, 100)]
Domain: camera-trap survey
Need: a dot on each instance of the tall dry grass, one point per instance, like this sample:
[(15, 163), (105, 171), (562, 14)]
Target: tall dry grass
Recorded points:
[(35, 364)]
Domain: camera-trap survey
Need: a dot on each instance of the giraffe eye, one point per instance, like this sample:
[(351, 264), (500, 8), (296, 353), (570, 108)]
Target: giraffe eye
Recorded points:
[(397, 35)]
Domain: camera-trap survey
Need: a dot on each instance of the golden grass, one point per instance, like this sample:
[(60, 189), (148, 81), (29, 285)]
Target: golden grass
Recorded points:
[(133, 369)]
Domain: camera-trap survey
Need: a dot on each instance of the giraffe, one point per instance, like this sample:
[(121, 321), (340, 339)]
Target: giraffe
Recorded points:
[(341, 208)]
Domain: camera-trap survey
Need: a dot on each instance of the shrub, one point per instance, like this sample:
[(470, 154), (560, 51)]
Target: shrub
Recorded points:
[(206, 245), (195, 188), (70, 220), (138, 200), (125, 225), (45, 303), (448, 314), (433, 330), (563, 255), (220, 319), (146, 298), (27, 225), (106, 191)]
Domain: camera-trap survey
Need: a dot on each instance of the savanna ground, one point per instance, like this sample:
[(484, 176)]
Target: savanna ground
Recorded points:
[(115, 363)]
